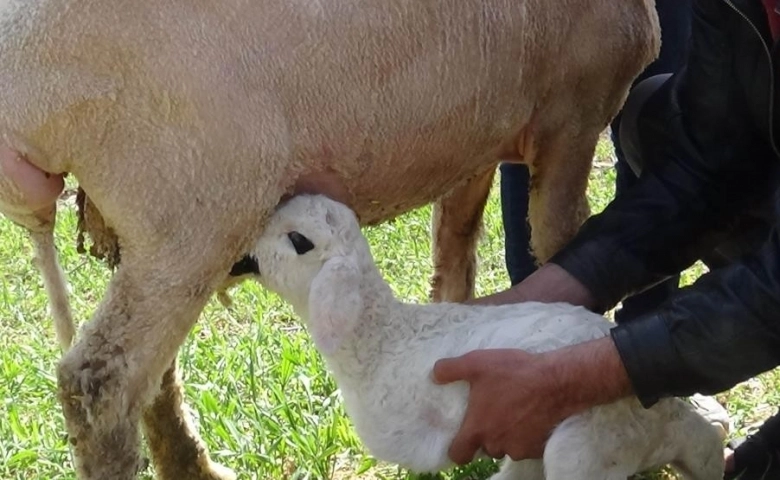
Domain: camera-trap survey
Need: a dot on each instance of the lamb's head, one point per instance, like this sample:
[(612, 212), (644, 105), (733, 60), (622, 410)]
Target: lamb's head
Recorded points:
[(314, 255)]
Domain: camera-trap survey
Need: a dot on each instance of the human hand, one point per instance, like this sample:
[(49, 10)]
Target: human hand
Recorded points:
[(512, 403), (517, 398)]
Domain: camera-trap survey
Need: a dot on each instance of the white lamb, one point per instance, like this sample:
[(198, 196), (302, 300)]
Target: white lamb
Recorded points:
[(381, 353)]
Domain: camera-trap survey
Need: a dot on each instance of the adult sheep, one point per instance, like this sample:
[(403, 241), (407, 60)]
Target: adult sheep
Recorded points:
[(185, 122)]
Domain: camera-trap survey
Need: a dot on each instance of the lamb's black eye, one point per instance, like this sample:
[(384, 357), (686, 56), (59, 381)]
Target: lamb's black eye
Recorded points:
[(301, 243)]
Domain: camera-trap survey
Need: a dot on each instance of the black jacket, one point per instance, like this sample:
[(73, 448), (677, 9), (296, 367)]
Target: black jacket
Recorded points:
[(708, 144)]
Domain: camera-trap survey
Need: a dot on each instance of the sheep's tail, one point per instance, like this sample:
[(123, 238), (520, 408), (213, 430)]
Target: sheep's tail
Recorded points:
[(56, 288)]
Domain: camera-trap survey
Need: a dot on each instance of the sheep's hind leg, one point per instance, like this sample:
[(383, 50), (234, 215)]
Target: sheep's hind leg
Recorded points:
[(177, 451), (28, 197), (457, 222)]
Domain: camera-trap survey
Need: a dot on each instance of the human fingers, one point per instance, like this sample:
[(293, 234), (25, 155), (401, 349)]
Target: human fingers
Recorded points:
[(448, 370), (466, 442), (493, 450)]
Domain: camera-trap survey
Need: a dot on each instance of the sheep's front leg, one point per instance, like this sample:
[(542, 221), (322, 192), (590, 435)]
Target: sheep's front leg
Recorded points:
[(110, 375), (177, 451), (457, 222)]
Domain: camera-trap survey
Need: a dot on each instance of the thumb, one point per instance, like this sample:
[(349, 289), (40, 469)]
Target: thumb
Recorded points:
[(449, 370)]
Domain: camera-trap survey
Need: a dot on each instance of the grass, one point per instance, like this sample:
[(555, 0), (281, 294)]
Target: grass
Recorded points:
[(264, 403)]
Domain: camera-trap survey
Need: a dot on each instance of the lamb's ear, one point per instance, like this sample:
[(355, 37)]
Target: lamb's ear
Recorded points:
[(335, 304)]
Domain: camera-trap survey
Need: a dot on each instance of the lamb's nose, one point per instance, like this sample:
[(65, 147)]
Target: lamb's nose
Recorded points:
[(247, 265)]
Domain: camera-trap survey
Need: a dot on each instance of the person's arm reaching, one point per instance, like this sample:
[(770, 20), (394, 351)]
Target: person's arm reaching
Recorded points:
[(706, 159), (513, 391), (705, 156), (550, 283), (716, 333)]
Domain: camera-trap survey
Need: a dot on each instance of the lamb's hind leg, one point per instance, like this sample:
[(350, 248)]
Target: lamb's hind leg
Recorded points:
[(457, 221), (578, 465), (701, 448), (177, 450), (531, 469), (587, 447), (110, 374)]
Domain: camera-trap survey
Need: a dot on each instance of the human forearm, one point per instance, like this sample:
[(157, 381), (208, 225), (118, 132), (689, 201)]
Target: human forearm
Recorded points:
[(513, 390), (693, 183), (550, 283), (618, 252), (586, 374), (654, 231)]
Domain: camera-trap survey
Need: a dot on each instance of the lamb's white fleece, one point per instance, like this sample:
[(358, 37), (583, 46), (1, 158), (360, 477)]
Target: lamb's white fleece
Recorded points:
[(381, 352)]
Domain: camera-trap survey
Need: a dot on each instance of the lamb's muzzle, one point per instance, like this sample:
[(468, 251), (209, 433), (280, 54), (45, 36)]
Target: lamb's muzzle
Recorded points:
[(246, 266)]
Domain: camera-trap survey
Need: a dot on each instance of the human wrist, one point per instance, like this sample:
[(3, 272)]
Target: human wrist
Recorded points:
[(586, 375)]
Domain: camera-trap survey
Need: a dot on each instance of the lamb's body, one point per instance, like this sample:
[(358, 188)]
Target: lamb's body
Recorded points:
[(399, 413), (381, 353), (403, 417)]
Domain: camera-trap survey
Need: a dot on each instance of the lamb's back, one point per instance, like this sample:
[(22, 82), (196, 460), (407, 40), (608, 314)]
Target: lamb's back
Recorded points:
[(403, 417)]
